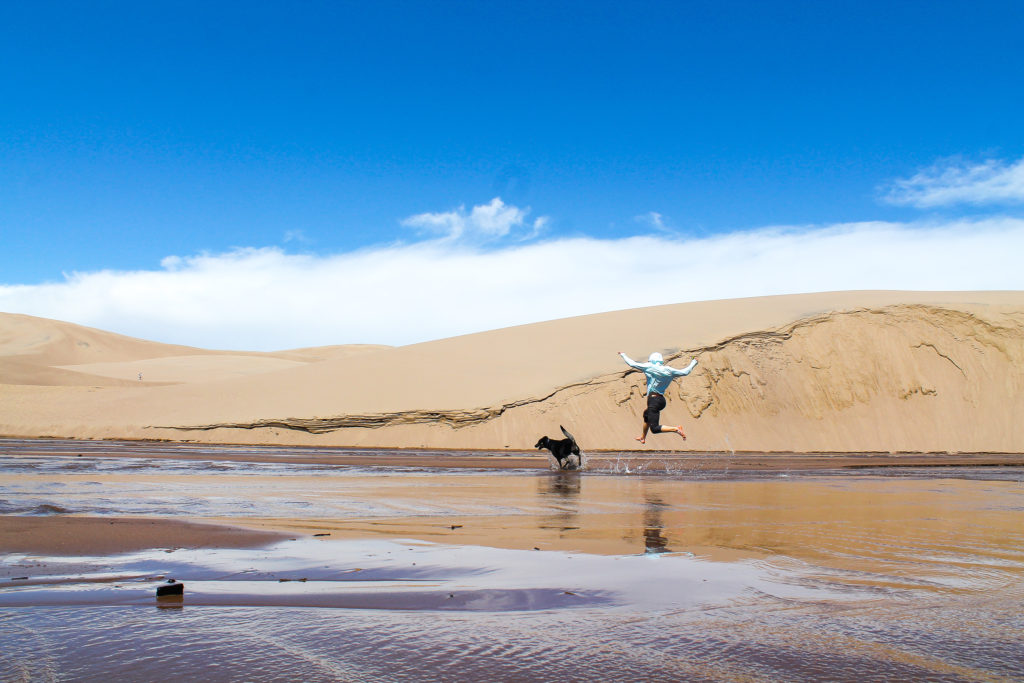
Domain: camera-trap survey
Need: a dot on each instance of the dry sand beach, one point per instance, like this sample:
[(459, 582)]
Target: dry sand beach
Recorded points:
[(849, 504)]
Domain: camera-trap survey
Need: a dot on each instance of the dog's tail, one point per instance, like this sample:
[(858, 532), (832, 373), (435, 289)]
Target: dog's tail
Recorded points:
[(567, 434), (575, 446)]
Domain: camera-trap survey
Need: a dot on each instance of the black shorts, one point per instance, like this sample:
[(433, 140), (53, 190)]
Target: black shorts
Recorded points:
[(652, 416)]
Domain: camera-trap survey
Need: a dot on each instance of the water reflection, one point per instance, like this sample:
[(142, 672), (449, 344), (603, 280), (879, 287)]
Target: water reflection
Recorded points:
[(561, 491), (562, 484), (170, 601), (655, 540)]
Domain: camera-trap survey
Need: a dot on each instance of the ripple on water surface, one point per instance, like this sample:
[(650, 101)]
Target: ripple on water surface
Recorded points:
[(765, 642)]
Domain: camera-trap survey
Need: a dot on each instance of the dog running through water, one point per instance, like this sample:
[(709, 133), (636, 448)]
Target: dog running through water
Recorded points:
[(566, 451)]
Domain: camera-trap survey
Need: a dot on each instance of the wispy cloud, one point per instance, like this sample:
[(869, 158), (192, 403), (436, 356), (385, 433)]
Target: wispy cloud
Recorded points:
[(652, 218), (295, 236), (482, 223), (657, 221), (398, 294), (957, 182)]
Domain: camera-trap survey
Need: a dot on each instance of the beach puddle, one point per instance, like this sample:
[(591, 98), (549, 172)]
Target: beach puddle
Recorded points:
[(391, 573)]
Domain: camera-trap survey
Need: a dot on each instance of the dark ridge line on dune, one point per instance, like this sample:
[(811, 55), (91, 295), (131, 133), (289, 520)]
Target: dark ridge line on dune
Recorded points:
[(322, 425), (459, 418)]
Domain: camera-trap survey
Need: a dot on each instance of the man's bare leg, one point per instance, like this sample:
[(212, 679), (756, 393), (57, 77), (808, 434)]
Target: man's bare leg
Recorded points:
[(643, 435), (678, 430)]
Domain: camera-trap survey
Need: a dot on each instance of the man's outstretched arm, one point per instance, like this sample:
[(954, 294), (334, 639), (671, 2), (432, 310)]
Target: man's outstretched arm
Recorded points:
[(632, 363), (687, 370)]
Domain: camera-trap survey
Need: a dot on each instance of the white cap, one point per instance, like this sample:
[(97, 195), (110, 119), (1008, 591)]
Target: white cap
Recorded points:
[(655, 357)]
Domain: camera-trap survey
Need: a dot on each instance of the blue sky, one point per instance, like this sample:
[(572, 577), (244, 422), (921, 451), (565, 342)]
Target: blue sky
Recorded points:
[(159, 162)]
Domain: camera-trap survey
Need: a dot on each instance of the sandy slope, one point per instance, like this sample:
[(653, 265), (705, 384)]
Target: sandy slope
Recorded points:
[(36, 351), (183, 369), (50, 342), (850, 371)]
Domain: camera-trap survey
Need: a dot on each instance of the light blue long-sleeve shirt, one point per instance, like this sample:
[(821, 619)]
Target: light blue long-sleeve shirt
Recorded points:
[(659, 375)]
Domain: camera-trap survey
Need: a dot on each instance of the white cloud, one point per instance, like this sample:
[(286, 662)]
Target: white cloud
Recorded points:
[(482, 223), (951, 182), (268, 299)]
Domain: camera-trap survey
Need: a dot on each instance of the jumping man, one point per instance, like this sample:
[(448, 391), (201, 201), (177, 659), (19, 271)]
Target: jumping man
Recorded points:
[(659, 376)]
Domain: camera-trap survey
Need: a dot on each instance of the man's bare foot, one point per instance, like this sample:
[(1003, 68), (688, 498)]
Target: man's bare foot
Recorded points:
[(641, 439)]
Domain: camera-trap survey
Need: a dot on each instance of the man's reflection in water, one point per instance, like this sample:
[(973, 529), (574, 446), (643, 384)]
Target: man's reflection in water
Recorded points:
[(564, 488), (654, 541)]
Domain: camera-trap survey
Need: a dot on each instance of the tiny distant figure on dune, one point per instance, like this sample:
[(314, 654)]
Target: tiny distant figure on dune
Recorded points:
[(565, 451), (659, 377)]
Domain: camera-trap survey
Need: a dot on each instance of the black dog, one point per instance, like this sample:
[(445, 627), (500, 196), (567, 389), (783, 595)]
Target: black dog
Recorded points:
[(563, 450)]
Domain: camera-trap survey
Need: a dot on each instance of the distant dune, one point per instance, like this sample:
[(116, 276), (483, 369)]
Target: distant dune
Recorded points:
[(829, 372)]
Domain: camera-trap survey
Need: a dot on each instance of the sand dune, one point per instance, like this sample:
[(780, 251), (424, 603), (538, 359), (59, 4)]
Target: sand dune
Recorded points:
[(37, 351), (833, 372), (320, 353), (50, 343), (185, 369)]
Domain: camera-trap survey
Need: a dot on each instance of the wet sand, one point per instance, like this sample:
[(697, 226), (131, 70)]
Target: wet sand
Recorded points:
[(690, 570), (644, 460), (62, 535)]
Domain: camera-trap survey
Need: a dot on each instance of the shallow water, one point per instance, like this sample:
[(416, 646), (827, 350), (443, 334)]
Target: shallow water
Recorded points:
[(433, 574)]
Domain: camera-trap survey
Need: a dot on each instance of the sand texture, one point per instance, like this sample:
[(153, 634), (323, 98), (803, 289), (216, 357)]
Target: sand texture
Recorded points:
[(829, 372)]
